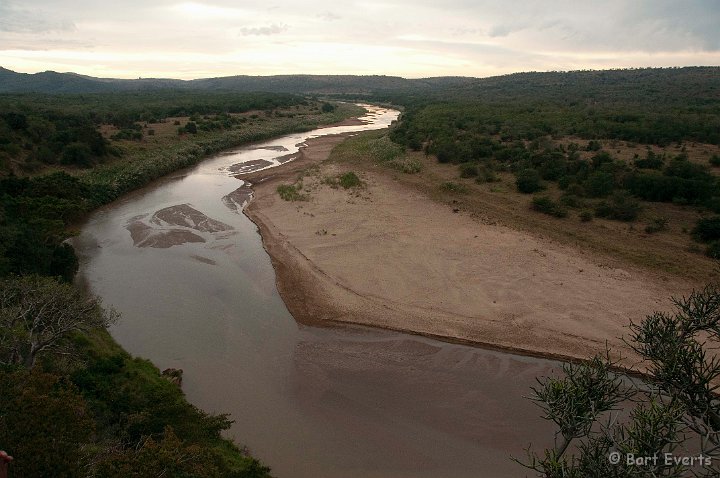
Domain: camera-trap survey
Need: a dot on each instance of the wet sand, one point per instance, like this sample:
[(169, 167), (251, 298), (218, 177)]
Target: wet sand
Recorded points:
[(388, 256)]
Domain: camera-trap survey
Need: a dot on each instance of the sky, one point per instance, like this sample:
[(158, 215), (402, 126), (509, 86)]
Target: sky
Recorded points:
[(409, 38)]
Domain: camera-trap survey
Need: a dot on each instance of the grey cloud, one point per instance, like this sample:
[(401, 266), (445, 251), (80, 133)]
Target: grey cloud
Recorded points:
[(273, 29), (21, 20)]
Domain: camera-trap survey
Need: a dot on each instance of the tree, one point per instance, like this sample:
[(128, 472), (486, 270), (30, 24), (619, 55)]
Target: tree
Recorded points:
[(38, 316), (528, 181), (673, 413), (44, 424)]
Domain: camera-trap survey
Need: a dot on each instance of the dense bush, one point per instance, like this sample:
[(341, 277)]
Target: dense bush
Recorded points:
[(350, 180), (528, 181), (546, 205), (621, 207), (707, 229)]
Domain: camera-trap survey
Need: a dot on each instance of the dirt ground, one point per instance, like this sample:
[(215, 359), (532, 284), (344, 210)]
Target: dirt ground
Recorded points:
[(388, 255)]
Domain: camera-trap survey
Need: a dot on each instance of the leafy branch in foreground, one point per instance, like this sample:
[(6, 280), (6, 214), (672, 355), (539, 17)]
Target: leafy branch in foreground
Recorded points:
[(668, 424)]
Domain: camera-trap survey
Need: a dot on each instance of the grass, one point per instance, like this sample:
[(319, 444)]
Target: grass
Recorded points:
[(290, 192), (377, 147), (453, 187)]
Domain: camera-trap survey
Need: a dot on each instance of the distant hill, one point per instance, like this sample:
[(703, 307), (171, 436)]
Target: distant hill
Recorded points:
[(51, 82), (692, 82)]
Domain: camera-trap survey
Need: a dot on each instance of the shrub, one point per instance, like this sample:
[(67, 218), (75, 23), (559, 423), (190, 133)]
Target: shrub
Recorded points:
[(528, 181), (593, 146), (656, 225), (191, 127), (707, 229), (570, 200), (77, 154), (651, 161), (621, 207), (289, 192), (468, 170), (350, 180), (546, 205), (406, 165), (586, 216), (454, 187), (599, 184), (713, 250), (715, 160)]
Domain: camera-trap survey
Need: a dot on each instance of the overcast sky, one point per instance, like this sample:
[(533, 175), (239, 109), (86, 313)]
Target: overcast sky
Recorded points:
[(411, 38)]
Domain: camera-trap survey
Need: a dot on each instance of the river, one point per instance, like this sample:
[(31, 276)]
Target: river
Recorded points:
[(196, 290)]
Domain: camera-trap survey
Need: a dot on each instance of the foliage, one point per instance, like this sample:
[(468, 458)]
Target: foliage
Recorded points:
[(707, 229), (289, 192), (547, 206), (38, 315), (528, 181), (675, 409), (453, 187), (656, 225), (377, 147), (44, 424), (468, 170), (586, 216), (621, 207), (350, 180)]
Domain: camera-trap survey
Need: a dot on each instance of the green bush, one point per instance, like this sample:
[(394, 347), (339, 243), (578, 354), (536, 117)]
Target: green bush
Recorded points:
[(547, 206), (707, 229), (656, 225), (468, 170), (570, 200), (528, 181), (406, 165), (621, 207), (454, 187), (715, 161), (289, 192), (713, 250), (350, 180)]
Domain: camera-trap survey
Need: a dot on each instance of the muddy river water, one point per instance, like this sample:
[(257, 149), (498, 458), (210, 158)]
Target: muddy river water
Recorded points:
[(196, 290)]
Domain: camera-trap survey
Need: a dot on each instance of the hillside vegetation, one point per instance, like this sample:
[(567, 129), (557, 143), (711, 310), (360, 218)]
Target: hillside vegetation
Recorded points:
[(73, 403)]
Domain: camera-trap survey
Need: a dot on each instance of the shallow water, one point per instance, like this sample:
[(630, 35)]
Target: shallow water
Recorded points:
[(196, 291)]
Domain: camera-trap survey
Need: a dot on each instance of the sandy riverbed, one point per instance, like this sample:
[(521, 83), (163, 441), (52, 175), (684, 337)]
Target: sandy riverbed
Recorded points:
[(388, 256)]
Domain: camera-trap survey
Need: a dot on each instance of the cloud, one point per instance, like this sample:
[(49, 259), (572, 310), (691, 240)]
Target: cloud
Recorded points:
[(329, 16), (21, 20), (273, 29)]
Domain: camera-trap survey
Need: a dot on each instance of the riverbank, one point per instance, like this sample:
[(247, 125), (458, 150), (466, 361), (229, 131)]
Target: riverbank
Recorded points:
[(386, 255)]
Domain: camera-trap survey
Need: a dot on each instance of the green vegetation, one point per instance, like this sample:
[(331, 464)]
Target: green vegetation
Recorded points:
[(707, 230), (656, 225), (528, 181), (566, 128), (547, 206), (72, 402), (603, 417), (35, 212), (350, 180), (453, 187), (291, 192), (376, 146)]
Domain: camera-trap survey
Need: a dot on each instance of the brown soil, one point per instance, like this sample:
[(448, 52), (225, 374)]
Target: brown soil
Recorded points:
[(387, 255)]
